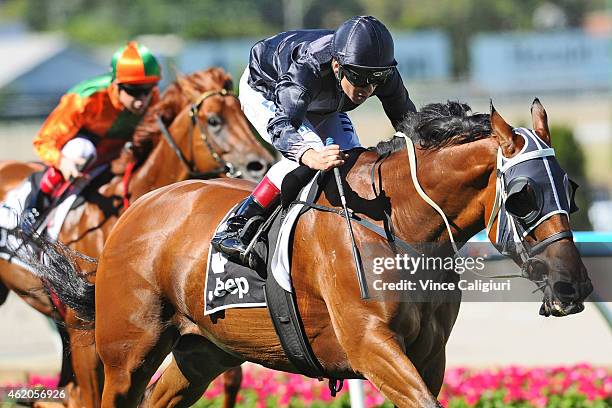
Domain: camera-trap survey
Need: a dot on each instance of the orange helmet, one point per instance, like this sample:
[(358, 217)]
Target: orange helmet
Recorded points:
[(135, 64)]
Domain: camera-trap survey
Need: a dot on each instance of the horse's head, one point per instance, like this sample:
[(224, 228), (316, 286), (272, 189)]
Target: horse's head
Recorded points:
[(209, 135), (225, 134), (529, 217)]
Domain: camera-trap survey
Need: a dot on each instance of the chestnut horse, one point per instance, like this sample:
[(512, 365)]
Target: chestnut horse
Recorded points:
[(221, 134), (158, 252)]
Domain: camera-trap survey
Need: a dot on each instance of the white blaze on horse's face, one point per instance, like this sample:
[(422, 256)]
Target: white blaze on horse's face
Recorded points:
[(531, 189)]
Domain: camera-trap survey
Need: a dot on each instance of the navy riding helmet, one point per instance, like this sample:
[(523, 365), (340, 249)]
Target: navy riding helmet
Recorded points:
[(363, 42)]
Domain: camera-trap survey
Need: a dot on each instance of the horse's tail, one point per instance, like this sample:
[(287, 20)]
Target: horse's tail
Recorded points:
[(59, 267)]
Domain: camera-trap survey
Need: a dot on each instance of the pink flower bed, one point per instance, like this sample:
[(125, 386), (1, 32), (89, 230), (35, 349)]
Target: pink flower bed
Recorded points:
[(575, 386), (33, 380), (579, 386), (555, 387)]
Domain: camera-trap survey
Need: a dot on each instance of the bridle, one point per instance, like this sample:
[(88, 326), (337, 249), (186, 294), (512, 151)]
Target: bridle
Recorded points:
[(523, 249), (526, 252), (224, 167)]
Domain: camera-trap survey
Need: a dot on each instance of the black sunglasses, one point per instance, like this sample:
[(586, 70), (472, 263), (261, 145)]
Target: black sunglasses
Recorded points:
[(136, 91), (363, 78)]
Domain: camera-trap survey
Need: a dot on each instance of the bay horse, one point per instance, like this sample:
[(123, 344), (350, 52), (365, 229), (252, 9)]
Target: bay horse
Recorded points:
[(158, 251), (220, 134)]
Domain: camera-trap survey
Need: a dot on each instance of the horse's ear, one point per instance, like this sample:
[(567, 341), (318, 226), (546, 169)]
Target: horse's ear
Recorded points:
[(540, 121), (506, 137)]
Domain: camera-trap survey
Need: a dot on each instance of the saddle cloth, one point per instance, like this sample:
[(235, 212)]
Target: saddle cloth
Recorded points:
[(230, 285)]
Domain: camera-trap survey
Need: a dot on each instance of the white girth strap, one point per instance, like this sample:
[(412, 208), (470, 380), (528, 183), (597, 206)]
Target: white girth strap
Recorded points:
[(424, 196)]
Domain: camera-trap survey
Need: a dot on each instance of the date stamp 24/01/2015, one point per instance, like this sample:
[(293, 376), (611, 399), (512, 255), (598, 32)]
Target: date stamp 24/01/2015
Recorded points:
[(31, 394)]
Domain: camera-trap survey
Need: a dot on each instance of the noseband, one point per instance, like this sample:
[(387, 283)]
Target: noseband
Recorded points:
[(224, 167)]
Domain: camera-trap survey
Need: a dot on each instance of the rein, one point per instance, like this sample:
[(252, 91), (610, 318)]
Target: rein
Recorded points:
[(362, 221), (224, 167), (527, 253)]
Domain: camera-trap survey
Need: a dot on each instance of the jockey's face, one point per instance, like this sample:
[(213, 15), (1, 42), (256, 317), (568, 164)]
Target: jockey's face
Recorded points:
[(357, 94), (135, 98)]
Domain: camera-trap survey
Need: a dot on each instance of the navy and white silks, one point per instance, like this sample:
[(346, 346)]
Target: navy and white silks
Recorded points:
[(291, 95)]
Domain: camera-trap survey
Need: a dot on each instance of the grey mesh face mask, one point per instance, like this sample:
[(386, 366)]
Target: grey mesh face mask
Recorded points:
[(531, 187)]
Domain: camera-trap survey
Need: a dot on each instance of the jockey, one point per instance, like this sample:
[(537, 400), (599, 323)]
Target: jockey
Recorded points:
[(94, 120), (295, 92)]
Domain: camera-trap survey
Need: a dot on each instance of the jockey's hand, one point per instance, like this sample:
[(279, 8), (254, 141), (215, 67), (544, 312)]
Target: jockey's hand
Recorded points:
[(70, 167), (324, 159)]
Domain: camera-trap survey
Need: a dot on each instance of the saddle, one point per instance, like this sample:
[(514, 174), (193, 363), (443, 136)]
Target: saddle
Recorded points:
[(45, 204), (267, 283)]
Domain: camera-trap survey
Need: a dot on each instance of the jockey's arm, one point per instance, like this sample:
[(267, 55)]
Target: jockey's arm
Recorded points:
[(293, 94), (61, 126)]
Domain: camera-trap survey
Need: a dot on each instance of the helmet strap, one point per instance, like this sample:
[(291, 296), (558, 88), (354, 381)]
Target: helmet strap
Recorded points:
[(339, 75)]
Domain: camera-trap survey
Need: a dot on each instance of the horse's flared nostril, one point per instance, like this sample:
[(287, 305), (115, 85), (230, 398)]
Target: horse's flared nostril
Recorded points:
[(565, 292)]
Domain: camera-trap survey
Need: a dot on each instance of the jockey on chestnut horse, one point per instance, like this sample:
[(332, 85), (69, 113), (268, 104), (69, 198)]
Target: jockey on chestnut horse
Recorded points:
[(103, 110), (450, 175), (212, 135), (93, 122), (296, 90)]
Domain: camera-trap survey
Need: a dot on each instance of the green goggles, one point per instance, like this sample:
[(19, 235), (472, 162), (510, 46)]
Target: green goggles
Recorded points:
[(362, 78)]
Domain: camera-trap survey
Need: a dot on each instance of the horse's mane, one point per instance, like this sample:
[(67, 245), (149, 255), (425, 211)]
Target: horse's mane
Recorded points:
[(176, 96), (438, 125)]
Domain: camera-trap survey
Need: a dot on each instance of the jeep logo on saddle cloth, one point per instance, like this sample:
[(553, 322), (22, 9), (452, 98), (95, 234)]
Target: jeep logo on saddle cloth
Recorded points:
[(230, 285)]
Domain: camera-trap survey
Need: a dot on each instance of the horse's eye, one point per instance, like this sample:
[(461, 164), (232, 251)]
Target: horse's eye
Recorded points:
[(522, 203), (215, 122), (524, 200)]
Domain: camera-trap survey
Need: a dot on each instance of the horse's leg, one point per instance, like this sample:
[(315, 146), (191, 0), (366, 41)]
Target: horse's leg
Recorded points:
[(66, 372), (377, 352), (232, 379), (128, 366), (440, 325), (434, 372), (85, 363), (196, 362), (132, 337), (87, 371)]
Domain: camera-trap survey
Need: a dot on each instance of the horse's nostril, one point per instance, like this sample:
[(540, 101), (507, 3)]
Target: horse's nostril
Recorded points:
[(565, 291), (255, 166)]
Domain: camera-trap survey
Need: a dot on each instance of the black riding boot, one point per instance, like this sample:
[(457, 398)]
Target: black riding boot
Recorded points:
[(241, 228)]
